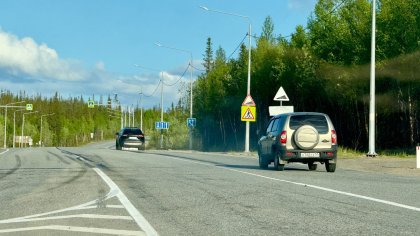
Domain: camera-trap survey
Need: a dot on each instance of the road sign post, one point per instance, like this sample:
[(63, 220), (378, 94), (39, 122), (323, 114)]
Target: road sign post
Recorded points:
[(418, 156)]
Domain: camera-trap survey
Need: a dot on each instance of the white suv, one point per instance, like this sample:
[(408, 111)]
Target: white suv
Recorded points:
[(306, 137)]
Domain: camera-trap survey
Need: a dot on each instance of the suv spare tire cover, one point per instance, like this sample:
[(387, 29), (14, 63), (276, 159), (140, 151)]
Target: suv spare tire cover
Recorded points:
[(306, 137)]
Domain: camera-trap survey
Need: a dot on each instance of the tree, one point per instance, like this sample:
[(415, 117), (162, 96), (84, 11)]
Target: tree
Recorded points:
[(208, 56), (267, 30)]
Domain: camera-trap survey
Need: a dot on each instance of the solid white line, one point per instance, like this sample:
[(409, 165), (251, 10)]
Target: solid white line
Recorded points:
[(90, 216), (1, 153), (137, 216), (77, 229), (308, 185)]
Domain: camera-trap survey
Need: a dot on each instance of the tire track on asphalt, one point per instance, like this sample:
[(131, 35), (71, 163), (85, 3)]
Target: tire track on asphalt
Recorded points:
[(14, 169)]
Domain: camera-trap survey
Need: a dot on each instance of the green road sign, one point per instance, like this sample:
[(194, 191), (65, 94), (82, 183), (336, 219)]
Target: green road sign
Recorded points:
[(29, 107), (91, 104)]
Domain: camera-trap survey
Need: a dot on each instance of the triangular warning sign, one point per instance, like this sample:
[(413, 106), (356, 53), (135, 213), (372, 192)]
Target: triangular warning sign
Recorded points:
[(281, 95), (248, 101), (248, 115)]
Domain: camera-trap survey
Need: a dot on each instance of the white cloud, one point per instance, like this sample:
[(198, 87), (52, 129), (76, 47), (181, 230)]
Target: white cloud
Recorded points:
[(25, 57), (36, 68)]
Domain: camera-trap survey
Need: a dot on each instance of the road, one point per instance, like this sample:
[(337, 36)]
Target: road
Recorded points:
[(96, 190)]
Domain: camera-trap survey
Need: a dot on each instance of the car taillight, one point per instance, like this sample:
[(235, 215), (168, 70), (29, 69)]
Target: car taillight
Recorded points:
[(140, 136), (333, 137), (283, 137)]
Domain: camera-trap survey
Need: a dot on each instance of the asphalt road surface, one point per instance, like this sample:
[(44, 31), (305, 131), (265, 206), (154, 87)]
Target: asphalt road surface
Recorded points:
[(96, 190)]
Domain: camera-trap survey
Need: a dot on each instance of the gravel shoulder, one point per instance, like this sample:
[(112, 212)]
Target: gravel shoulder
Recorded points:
[(387, 165)]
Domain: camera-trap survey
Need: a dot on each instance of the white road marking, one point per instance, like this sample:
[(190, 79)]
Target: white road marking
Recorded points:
[(114, 191), (91, 216), (307, 185), (139, 218), (77, 229), (1, 153)]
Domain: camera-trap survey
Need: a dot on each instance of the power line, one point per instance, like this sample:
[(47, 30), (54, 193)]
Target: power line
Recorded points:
[(170, 85), (242, 41), (153, 91)]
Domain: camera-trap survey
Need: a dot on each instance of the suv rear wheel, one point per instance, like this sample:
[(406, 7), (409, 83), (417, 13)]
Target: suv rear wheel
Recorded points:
[(330, 166), (277, 165)]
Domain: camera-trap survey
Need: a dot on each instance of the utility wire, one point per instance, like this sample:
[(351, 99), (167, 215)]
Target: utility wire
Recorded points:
[(242, 41), (170, 85), (153, 91)]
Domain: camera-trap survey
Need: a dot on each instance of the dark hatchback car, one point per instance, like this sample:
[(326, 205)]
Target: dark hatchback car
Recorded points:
[(130, 137), (305, 137)]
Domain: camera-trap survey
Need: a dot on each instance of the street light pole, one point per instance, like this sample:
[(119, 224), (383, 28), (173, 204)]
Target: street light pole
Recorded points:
[(40, 135), (14, 125), (141, 110), (161, 99), (191, 85), (5, 120), (249, 64), (23, 125), (161, 109), (372, 112)]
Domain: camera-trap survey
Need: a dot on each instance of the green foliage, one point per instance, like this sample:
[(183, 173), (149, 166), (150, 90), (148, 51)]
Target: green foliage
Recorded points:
[(324, 68)]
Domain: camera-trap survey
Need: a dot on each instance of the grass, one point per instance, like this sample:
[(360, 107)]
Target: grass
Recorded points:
[(344, 152)]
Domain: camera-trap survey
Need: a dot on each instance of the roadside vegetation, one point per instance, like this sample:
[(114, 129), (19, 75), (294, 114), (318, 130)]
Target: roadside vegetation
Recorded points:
[(323, 67)]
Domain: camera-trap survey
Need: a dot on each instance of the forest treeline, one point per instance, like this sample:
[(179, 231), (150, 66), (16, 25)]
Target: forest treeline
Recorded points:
[(323, 67)]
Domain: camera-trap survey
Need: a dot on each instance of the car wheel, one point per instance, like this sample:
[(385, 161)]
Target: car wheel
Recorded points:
[(312, 166), (277, 165), (142, 148), (330, 166), (262, 161)]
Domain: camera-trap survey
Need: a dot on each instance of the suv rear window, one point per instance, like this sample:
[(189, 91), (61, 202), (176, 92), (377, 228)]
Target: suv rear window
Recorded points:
[(318, 122), (132, 131)]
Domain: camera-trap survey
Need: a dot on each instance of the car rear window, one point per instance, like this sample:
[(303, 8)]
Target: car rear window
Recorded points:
[(319, 122), (132, 131)]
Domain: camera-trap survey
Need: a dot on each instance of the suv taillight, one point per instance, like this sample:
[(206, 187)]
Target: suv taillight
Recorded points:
[(283, 137), (333, 137)]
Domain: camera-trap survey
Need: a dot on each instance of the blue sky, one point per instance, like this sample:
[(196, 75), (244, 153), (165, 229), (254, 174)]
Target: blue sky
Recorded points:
[(86, 47)]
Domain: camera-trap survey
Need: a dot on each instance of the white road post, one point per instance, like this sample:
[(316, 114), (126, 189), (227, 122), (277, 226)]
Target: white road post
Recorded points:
[(418, 156)]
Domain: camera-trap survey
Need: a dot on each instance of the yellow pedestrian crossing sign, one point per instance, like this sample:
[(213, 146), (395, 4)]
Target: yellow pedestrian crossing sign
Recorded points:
[(248, 113), (91, 104)]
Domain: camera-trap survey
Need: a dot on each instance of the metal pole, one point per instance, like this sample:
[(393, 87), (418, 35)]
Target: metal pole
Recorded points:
[(141, 110), (249, 65), (14, 126), (5, 121), (372, 112), (191, 102), (21, 136), (248, 88), (191, 84), (5, 126), (161, 109)]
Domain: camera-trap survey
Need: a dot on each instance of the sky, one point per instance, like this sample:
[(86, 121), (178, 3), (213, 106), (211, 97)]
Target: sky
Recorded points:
[(90, 48)]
